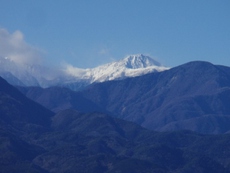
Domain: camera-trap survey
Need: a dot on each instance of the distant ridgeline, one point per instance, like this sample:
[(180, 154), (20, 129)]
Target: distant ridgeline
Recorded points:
[(76, 78)]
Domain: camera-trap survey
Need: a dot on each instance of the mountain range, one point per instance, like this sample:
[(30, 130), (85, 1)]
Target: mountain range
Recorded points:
[(34, 139), (193, 96), (76, 78), (166, 120), (131, 66)]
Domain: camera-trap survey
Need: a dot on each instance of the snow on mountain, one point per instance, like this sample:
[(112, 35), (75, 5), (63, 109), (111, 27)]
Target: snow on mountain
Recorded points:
[(25, 74), (131, 66), (16, 73), (75, 78), (138, 61)]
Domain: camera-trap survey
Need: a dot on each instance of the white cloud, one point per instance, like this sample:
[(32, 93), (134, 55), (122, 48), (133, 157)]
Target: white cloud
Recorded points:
[(76, 72), (15, 48)]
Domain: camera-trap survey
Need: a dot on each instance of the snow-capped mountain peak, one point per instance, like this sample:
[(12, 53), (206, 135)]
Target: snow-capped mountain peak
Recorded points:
[(72, 77), (130, 66), (139, 61)]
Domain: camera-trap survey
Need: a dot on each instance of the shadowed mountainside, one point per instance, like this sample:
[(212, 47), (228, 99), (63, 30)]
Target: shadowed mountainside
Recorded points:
[(71, 141), (59, 98), (19, 111), (19, 118), (193, 96)]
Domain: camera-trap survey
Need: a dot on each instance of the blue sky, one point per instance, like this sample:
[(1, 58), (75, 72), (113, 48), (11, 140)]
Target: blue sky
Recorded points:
[(87, 33)]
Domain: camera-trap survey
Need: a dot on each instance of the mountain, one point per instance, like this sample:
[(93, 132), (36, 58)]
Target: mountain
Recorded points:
[(134, 65), (60, 98), (20, 117), (19, 111), (192, 96), (76, 78), (33, 139), (19, 74), (95, 142), (131, 66)]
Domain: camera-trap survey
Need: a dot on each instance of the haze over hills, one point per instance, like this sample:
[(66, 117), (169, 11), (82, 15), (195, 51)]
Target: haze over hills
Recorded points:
[(21, 74), (74, 78)]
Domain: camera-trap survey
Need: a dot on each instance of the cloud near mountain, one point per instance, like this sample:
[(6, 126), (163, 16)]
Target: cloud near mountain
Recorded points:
[(24, 69), (14, 47)]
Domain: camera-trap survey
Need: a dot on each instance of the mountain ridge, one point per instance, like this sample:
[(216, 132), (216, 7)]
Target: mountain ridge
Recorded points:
[(183, 97), (154, 100), (14, 111), (95, 142), (75, 78), (130, 66)]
